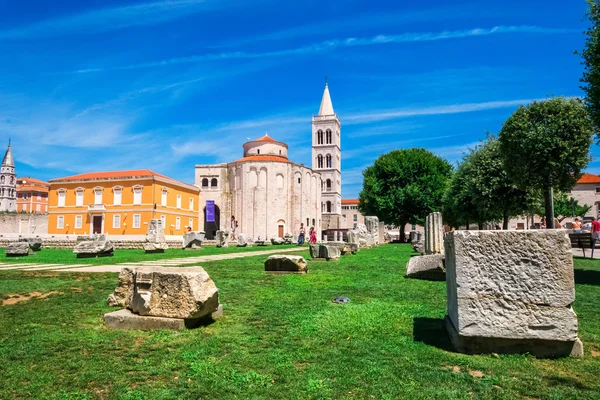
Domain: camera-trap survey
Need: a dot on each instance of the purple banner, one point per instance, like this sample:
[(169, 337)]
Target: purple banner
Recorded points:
[(210, 211)]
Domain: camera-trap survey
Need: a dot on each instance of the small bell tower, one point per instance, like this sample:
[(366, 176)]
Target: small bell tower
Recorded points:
[(8, 182)]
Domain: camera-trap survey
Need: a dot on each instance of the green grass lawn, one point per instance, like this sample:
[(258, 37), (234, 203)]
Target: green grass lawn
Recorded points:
[(281, 337), (66, 256)]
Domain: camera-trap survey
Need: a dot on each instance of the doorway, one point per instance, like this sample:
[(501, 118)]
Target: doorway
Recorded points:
[(211, 228), (280, 231), (97, 224)]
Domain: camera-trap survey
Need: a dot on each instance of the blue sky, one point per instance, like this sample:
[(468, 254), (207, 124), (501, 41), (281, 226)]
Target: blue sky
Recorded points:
[(106, 85)]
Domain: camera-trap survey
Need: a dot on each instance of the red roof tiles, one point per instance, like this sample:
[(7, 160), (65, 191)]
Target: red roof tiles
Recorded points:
[(260, 158), (589, 178)]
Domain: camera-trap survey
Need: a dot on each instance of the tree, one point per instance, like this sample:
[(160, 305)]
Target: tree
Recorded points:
[(481, 191), (591, 62), (564, 206), (404, 186), (546, 145)]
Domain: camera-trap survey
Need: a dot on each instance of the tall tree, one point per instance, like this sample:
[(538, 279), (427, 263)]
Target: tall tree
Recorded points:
[(546, 145), (404, 186), (591, 62), (564, 206)]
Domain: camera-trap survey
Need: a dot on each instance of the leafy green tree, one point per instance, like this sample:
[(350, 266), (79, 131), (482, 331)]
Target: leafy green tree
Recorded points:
[(591, 62), (546, 145), (481, 191), (564, 206), (404, 186)]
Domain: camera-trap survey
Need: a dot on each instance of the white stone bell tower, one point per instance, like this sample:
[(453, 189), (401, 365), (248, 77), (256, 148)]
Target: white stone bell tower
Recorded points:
[(327, 157), (8, 182)]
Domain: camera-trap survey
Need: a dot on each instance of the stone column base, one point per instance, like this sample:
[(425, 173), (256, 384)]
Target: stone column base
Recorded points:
[(125, 319), (536, 347)]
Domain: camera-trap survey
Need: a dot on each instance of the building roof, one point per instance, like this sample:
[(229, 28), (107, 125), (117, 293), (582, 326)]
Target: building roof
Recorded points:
[(116, 175), (589, 178), (265, 138), (326, 105), (263, 158), (28, 184), (30, 180), (8, 159), (350, 201)]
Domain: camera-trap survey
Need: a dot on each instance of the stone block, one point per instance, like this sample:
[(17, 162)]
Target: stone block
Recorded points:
[(434, 234), (155, 232), (193, 240), (286, 263), (427, 267), (326, 251), (260, 243), (277, 241), (223, 238), (186, 293), (288, 238), (508, 287), (98, 247), (244, 240), (125, 319), (155, 247), (18, 249), (35, 244), (372, 225)]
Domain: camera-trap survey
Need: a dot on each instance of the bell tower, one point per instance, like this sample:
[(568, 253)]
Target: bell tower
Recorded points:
[(8, 182), (327, 157)]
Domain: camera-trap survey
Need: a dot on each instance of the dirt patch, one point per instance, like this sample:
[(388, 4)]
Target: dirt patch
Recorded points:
[(41, 274), (454, 368), (76, 289), (595, 353), (17, 298), (476, 374)]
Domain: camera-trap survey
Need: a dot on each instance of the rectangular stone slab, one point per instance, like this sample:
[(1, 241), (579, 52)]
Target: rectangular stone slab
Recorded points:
[(125, 319), (511, 284)]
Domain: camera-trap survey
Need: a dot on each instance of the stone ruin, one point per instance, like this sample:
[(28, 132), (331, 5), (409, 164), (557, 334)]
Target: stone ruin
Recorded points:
[(288, 238), (417, 242), (325, 251), (193, 240), (286, 264), (428, 266), (372, 225), (277, 241), (155, 237), (93, 246), (511, 292), (361, 236), (223, 238), (244, 240), (24, 247), (163, 298)]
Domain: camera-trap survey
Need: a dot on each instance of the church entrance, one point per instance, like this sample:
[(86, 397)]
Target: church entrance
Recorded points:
[(211, 228), (280, 231), (97, 224)]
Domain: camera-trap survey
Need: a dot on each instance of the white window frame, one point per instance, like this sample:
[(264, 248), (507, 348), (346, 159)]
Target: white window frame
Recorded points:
[(178, 201), (164, 197), (191, 204), (137, 218), (191, 223), (62, 197), (116, 221), (39, 197), (79, 195), (25, 207), (78, 221), (137, 190), (60, 222), (163, 219), (117, 194), (37, 208), (177, 223), (98, 195)]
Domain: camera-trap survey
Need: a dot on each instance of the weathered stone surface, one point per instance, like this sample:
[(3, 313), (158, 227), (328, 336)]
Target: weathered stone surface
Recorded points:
[(155, 232), (277, 240), (288, 238), (515, 285), (97, 247), (428, 267), (35, 244), (125, 319), (244, 240), (286, 263), (260, 243), (223, 238), (193, 240), (326, 251), (186, 293), (17, 249), (414, 236), (360, 236), (315, 250), (155, 247), (434, 234), (372, 225), (419, 246)]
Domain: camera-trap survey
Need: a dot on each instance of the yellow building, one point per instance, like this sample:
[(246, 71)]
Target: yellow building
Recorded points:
[(121, 203)]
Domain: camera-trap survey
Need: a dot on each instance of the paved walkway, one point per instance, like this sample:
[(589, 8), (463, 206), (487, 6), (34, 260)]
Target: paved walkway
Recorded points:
[(171, 262)]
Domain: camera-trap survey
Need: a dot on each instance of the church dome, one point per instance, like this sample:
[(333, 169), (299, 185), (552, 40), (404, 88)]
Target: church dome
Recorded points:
[(265, 146)]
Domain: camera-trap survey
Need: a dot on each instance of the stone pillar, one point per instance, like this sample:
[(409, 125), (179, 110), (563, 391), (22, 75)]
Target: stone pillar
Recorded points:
[(434, 234), (511, 292), (372, 224)]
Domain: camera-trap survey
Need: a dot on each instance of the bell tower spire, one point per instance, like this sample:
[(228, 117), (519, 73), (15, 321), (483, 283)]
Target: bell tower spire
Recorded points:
[(327, 159), (8, 182)]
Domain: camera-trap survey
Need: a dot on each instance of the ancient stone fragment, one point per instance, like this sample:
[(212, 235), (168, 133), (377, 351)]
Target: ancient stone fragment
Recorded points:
[(428, 267), (372, 225), (193, 240), (223, 238), (286, 263), (17, 249), (511, 291), (99, 246), (35, 244), (186, 293), (434, 234), (243, 240)]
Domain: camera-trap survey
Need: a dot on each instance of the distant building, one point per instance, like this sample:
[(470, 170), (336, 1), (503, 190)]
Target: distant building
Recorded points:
[(351, 217), (121, 203), (32, 195), (587, 191), (8, 183)]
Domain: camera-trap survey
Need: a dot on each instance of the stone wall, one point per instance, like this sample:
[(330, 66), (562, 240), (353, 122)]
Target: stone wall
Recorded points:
[(24, 223), (70, 242)]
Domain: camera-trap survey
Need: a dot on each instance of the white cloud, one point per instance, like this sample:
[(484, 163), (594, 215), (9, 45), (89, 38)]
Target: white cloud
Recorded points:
[(106, 19)]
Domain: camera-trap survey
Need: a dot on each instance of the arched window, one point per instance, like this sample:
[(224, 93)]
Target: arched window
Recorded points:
[(320, 161), (213, 182), (313, 224), (319, 137), (205, 182), (328, 136), (329, 185), (328, 161), (328, 206)]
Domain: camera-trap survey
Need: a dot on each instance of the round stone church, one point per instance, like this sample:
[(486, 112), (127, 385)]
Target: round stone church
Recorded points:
[(270, 195)]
